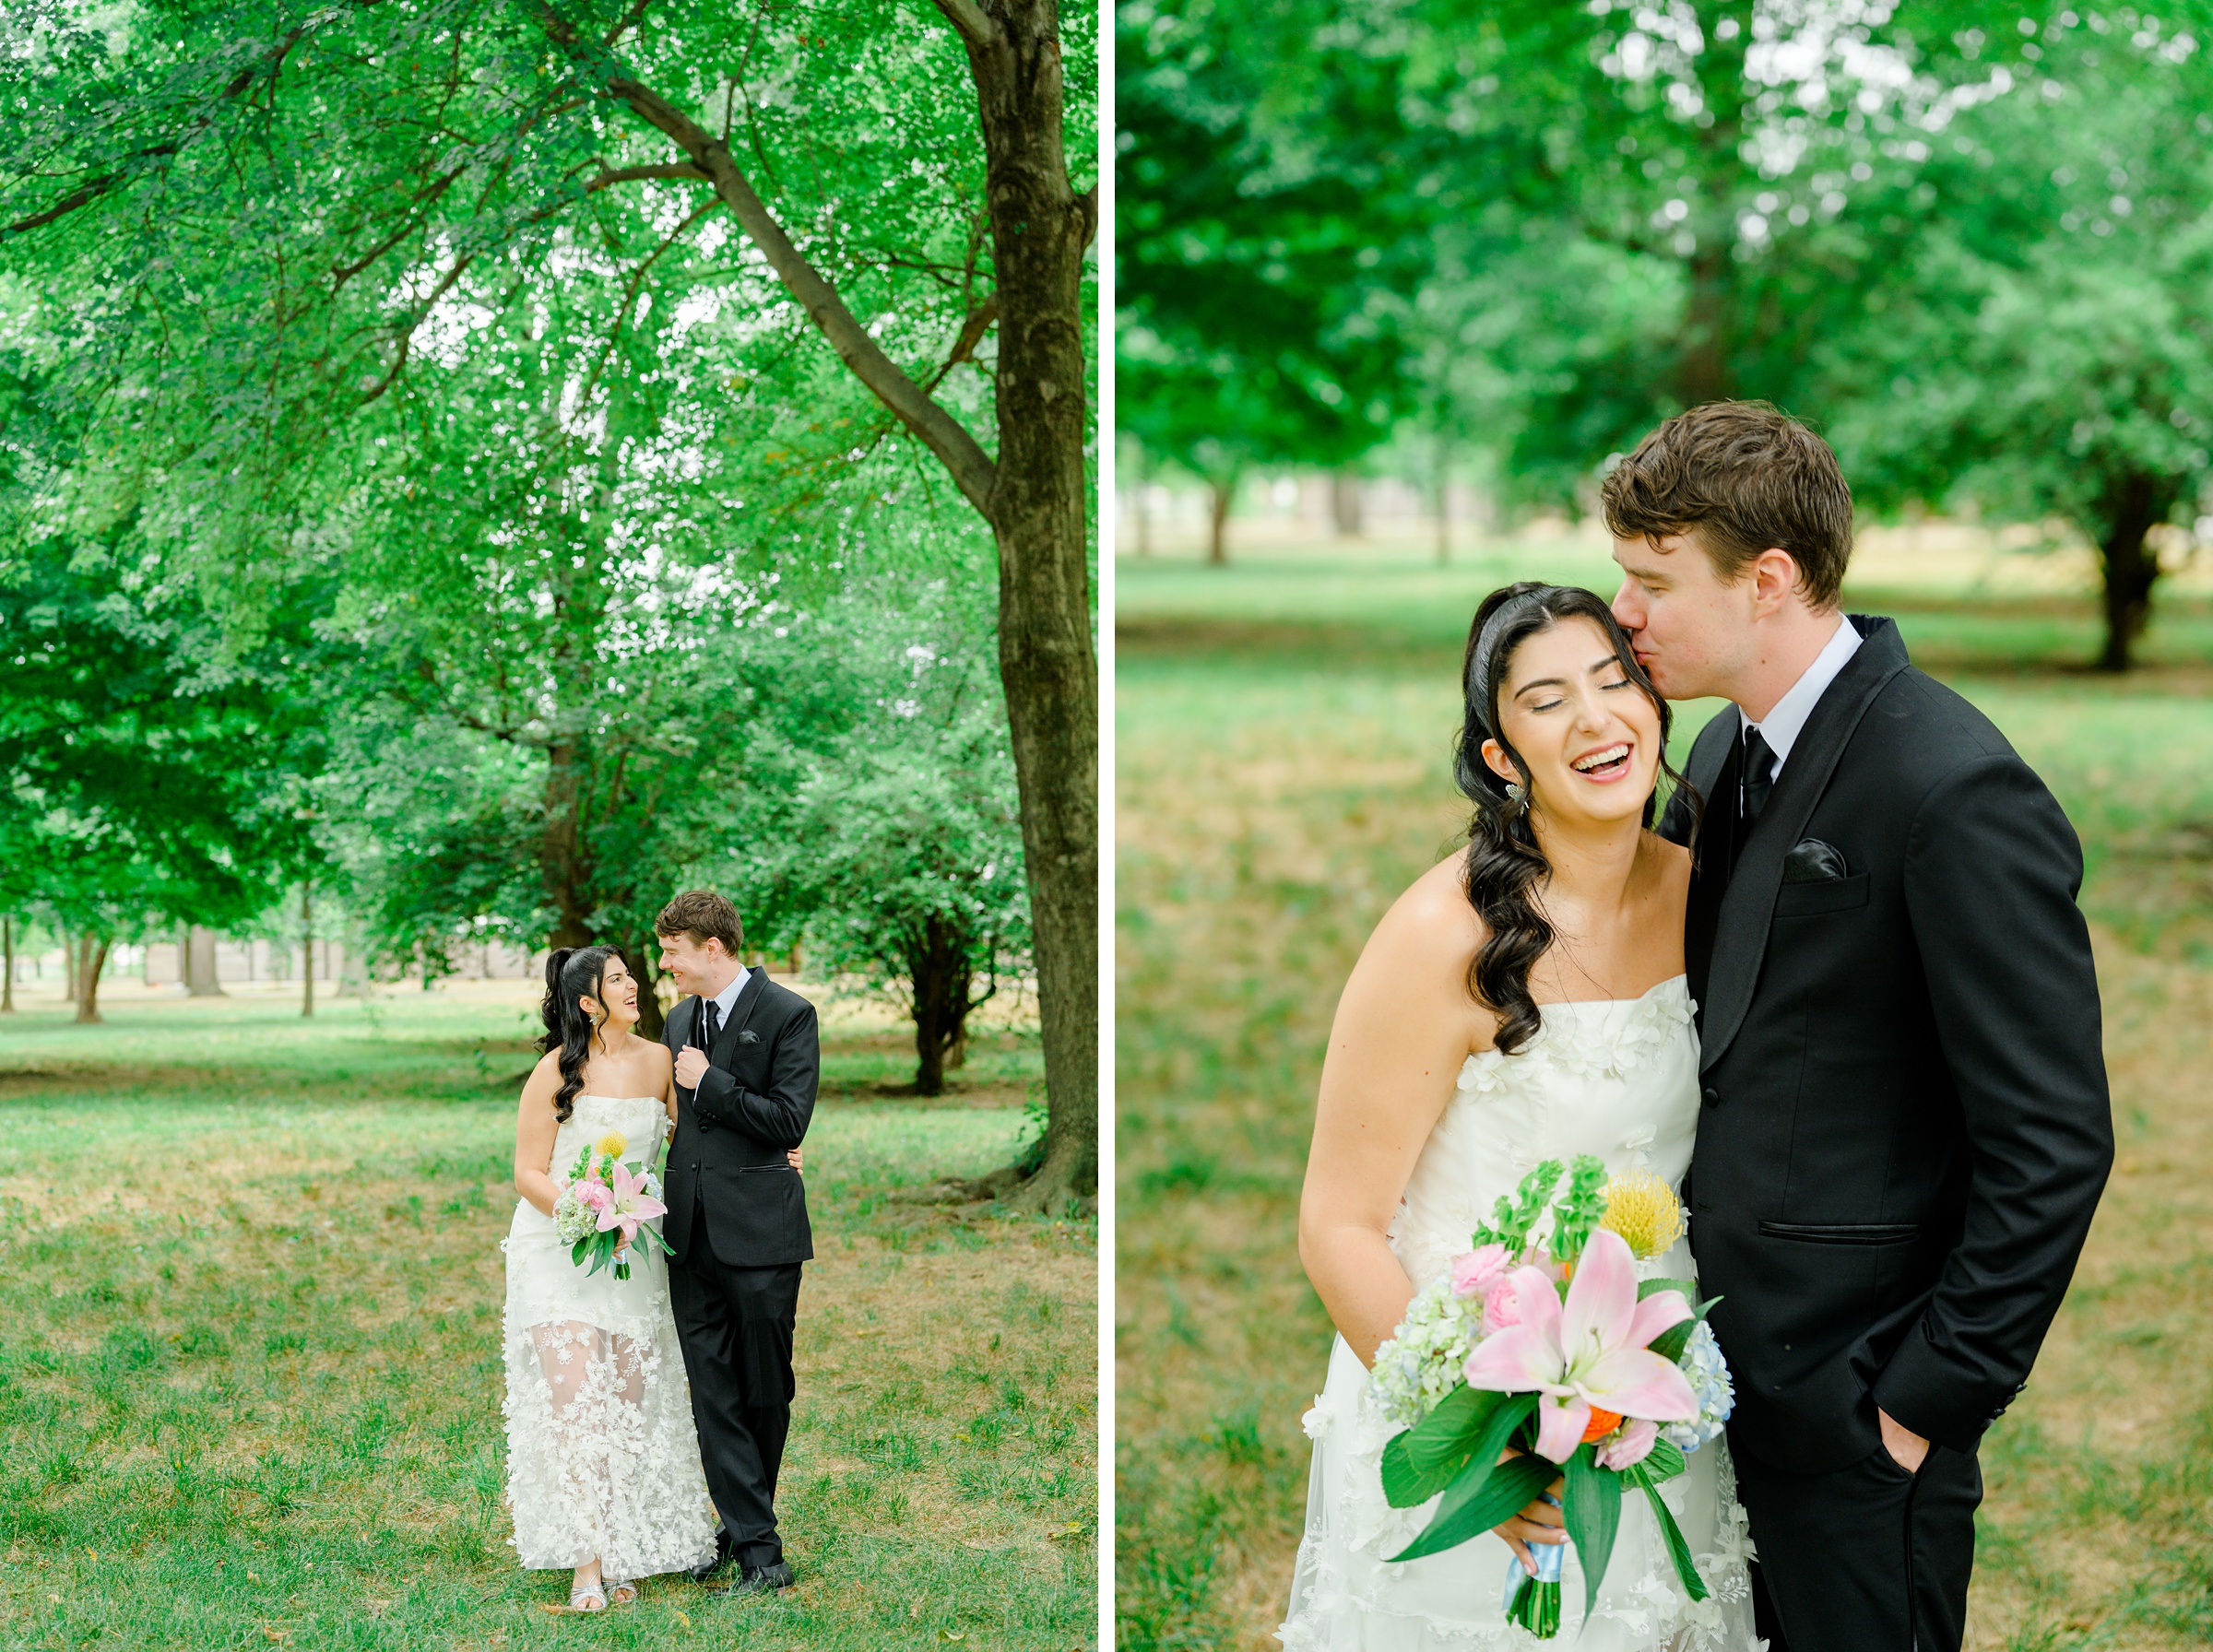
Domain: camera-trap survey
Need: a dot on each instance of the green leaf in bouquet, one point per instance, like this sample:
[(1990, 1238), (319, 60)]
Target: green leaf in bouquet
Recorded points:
[(1664, 1462), (1677, 1550), (1513, 1218), (1653, 1287), (1497, 1491), (1591, 1509), (1670, 1343), (577, 1250), (1427, 1457), (1579, 1209)]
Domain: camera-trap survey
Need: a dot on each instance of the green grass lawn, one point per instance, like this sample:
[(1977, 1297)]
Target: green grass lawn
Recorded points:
[(250, 1374), (1284, 731)]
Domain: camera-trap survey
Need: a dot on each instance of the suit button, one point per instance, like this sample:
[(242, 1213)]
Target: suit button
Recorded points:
[(695, 1167), (1711, 1096)]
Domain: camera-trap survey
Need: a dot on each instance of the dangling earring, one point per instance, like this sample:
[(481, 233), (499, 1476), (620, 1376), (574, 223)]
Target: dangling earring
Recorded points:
[(1515, 796)]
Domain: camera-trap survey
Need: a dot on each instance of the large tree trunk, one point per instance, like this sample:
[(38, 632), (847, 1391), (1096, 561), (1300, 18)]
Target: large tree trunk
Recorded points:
[(92, 957), (2131, 508), (307, 952), (199, 963), (1037, 510)]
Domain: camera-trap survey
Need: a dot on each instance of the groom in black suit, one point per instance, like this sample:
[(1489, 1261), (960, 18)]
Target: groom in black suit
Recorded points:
[(1905, 1127), (748, 1063)]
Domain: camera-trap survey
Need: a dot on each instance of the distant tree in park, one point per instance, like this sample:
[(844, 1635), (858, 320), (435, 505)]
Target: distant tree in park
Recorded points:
[(2045, 347), (883, 826), (1261, 293)]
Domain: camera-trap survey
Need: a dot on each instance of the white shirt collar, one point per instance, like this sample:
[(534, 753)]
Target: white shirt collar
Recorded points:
[(1782, 726), (727, 999)]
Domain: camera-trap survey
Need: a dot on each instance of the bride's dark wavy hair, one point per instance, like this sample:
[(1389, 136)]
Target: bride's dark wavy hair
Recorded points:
[(1505, 863), (572, 973)]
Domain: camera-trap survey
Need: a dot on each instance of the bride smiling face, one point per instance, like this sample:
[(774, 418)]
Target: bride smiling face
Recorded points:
[(1588, 736), (615, 1006)]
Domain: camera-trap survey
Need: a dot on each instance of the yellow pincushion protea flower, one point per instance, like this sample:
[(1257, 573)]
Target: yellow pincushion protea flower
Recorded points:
[(1644, 1211), (611, 1144)]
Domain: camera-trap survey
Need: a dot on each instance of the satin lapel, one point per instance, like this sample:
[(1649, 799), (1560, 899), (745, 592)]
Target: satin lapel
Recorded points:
[(749, 999), (1748, 911), (1714, 764)]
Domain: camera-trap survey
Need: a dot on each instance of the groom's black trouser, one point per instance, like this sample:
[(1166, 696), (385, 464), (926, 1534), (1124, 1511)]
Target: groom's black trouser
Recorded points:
[(1868, 1559), (736, 1326)]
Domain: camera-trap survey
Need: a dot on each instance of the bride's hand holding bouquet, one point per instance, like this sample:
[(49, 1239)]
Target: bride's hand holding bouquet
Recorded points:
[(1543, 1359), (606, 1204)]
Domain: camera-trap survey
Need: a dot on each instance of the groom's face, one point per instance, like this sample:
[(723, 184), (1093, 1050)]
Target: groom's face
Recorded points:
[(1693, 633), (691, 963)]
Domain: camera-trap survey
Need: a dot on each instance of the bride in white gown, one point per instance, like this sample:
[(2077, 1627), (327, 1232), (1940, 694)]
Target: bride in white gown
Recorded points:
[(603, 1470), (1523, 1000)]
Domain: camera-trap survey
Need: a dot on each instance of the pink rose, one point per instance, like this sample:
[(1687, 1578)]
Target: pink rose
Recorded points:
[(1631, 1443), (1500, 1308), (1474, 1273)]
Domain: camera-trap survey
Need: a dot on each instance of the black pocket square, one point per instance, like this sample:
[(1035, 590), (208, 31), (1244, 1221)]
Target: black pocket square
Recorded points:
[(1813, 861), (747, 1035)]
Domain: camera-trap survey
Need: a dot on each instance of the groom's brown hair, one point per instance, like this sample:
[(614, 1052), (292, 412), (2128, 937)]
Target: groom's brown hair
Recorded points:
[(704, 915), (1748, 478)]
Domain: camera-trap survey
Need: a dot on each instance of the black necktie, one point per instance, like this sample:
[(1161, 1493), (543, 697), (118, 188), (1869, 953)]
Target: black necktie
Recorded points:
[(1758, 775), (713, 1021)]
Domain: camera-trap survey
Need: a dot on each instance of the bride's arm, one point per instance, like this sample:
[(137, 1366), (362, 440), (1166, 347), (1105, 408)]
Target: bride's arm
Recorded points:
[(535, 1128), (1404, 1028)]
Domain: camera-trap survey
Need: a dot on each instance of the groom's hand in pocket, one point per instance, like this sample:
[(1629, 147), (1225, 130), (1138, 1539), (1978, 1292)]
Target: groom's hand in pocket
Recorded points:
[(1907, 1449), (691, 1066)]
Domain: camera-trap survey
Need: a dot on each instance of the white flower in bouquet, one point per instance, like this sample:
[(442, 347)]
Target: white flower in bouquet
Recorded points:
[(573, 1219)]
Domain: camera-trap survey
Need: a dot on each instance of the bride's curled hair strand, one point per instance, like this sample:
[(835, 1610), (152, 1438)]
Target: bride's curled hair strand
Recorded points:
[(572, 973)]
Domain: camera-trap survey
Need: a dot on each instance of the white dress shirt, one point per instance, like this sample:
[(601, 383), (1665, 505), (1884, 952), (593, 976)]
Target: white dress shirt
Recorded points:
[(727, 999), (1786, 720)]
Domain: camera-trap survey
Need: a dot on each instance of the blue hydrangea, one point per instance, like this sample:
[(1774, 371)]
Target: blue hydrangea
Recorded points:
[(1708, 1375)]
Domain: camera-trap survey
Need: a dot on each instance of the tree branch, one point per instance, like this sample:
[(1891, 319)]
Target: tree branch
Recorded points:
[(632, 174), (92, 189), (971, 469), (407, 336), (963, 348), (970, 22)]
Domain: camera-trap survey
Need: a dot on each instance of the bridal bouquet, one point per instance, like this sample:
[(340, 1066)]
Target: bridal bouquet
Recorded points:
[(606, 1206), (1546, 1345)]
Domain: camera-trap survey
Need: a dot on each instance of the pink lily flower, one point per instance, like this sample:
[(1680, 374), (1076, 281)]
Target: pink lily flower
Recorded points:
[(627, 1205), (1591, 1351)]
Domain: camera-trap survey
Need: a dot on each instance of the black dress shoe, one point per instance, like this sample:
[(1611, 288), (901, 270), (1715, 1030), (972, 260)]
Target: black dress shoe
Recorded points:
[(700, 1574), (760, 1580)]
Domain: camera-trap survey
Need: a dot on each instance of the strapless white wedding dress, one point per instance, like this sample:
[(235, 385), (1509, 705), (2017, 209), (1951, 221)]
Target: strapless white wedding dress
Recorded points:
[(602, 1459), (1618, 1080)]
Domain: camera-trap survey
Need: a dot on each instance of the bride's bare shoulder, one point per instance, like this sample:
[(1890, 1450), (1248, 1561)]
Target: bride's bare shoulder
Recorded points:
[(1431, 923)]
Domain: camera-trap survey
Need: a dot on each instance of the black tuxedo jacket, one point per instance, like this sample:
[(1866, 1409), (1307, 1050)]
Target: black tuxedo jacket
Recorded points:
[(753, 1103), (1905, 1127)]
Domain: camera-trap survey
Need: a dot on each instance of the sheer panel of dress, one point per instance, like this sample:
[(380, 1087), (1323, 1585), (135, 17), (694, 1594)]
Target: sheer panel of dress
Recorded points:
[(602, 1461)]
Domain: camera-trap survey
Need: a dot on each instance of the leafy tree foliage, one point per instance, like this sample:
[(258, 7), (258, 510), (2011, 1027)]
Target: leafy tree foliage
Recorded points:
[(883, 826), (479, 281)]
